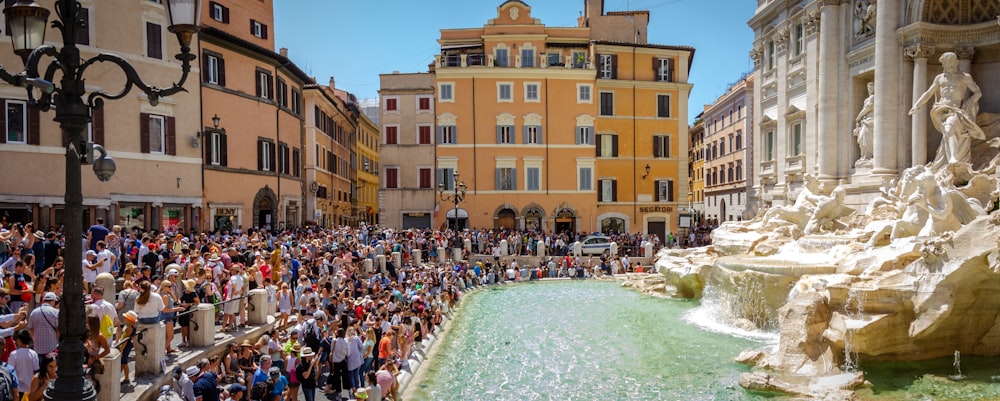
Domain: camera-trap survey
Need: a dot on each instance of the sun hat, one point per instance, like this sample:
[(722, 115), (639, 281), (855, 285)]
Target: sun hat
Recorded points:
[(131, 316), (39, 234), (188, 285), (246, 343), (307, 351), (193, 370), (214, 258)]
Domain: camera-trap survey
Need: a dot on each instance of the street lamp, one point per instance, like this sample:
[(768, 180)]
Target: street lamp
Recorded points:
[(27, 21), (458, 196)]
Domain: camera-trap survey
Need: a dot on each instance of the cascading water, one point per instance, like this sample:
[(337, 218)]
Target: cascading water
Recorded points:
[(958, 367), (855, 309), (739, 310)]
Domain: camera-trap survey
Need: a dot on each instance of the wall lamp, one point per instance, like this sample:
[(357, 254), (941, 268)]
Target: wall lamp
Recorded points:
[(647, 172), (196, 139)]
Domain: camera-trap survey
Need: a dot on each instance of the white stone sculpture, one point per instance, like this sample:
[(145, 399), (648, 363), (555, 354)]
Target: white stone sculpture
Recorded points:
[(866, 124), (953, 114), (927, 205), (798, 213), (865, 14), (828, 210)]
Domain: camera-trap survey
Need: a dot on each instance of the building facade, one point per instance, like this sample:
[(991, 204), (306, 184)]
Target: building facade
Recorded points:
[(563, 129), (813, 61), (367, 179), (696, 170), (728, 125), (407, 192), (329, 124), (158, 180), (253, 175)]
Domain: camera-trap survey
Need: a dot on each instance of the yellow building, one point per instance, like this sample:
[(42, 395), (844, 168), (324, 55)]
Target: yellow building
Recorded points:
[(366, 162), (515, 114)]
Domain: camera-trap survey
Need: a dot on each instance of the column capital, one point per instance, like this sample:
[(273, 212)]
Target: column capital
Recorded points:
[(812, 21), (965, 53), (918, 51), (757, 55)]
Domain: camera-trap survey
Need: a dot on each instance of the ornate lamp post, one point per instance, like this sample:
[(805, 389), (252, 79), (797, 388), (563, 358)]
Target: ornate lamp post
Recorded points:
[(456, 197), (27, 21)]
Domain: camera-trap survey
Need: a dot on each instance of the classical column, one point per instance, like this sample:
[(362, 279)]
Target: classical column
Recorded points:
[(887, 64), (829, 90), (919, 54), (965, 55)]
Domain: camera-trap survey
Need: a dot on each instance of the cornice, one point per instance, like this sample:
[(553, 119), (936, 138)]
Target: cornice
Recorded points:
[(950, 36)]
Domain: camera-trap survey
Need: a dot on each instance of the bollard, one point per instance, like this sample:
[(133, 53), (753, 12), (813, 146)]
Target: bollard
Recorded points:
[(540, 246), (203, 325), (107, 281), (456, 255), (417, 254), (504, 248), (111, 380), (649, 251), (257, 310), (149, 348), (380, 261), (369, 266), (397, 259), (467, 244), (577, 249), (613, 248), (441, 255)]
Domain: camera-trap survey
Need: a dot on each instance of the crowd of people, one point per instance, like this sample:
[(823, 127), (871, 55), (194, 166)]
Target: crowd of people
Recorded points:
[(343, 326)]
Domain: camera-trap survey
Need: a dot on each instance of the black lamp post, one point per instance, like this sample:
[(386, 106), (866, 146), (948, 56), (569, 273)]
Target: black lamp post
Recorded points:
[(458, 196), (27, 21)]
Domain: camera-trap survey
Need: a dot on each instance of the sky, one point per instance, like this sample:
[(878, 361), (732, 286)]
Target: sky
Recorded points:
[(356, 40)]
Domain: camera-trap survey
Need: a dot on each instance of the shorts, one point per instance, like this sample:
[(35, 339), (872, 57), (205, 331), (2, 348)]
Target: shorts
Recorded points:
[(231, 308)]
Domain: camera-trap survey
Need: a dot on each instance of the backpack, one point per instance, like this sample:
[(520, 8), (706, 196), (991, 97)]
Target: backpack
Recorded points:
[(309, 337), (107, 326), (261, 391), (7, 386)]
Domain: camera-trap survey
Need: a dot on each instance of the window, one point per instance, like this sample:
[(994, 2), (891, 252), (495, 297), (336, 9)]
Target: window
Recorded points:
[(501, 58), (392, 177), (769, 146), (583, 93), (157, 134), (739, 170), (505, 134), (282, 92), (219, 12), (527, 58), (17, 122), (83, 30), (506, 179), (664, 69), (446, 134), (424, 135), (795, 144), (584, 135), (531, 92), (730, 173), (264, 84), (391, 135), (661, 146), (554, 59), (214, 67), (533, 134), (579, 59), (505, 92), (607, 103), (425, 178), (663, 105), (265, 155), (533, 180), (154, 41), (217, 154), (424, 103), (283, 162), (739, 140), (665, 191), (296, 160), (607, 190), (391, 104), (607, 146), (446, 92), (296, 102), (586, 175), (447, 177), (722, 146), (799, 33), (770, 55), (608, 66), (258, 29)]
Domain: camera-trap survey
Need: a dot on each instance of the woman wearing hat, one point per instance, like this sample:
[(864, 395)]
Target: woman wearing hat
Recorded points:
[(188, 299), (124, 343), (291, 363), (246, 359), (307, 373)]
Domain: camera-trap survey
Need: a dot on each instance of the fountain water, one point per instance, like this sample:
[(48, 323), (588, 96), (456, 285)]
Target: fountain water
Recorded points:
[(958, 367), (855, 308)]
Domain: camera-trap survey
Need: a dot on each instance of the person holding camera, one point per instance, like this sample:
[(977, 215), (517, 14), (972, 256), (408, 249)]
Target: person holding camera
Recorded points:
[(307, 371)]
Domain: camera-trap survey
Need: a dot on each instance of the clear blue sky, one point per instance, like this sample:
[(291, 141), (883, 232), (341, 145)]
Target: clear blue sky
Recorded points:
[(356, 40)]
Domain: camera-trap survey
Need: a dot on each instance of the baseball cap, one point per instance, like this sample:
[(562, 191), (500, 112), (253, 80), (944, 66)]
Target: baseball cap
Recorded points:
[(236, 387), (274, 371), (50, 296)]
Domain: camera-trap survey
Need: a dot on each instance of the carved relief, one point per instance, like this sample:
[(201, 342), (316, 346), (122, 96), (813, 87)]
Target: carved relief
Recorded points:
[(965, 53), (757, 55), (514, 11), (864, 17), (918, 51)]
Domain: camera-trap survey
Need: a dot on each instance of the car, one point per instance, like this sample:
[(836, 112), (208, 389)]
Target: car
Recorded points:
[(595, 245)]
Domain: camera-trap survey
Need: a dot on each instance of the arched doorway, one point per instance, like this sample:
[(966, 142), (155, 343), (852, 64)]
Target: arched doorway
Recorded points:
[(565, 222), (457, 222), (263, 209), (722, 211), (534, 217), (506, 219)]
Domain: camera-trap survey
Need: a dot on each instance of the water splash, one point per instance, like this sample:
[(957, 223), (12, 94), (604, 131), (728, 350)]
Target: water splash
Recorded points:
[(739, 312), (854, 307), (958, 367)]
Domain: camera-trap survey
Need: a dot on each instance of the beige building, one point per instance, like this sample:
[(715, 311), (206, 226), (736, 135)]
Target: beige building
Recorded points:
[(158, 181), (728, 130), (407, 194)]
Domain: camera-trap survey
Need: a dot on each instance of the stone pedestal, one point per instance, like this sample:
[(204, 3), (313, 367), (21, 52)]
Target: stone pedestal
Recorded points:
[(456, 255), (504, 248), (441, 254), (540, 248), (380, 261), (613, 248), (369, 266), (648, 246), (111, 380), (257, 311), (577, 248), (149, 348), (397, 259), (203, 325), (467, 244), (417, 256), (107, 281)]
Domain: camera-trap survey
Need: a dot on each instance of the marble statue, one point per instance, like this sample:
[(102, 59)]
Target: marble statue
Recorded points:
[(953, 114), (865, 13), (866, 124), (799, 212), (828, 210)]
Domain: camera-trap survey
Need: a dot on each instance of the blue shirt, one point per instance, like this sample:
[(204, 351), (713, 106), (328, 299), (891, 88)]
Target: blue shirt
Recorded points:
[(279, 386), (97, 233), (258, 376), (206, 387)]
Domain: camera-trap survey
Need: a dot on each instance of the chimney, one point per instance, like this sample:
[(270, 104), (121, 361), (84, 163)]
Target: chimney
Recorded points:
[(283, 52), (333, 83)]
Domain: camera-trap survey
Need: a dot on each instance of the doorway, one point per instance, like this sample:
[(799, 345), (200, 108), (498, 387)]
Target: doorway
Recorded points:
[(506, 219)]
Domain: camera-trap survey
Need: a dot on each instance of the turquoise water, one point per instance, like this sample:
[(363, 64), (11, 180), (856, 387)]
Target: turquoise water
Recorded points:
[(581, 340), (929, 380)]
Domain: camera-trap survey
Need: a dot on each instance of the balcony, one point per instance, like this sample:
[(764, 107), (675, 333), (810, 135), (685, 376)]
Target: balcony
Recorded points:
[(463, 60)]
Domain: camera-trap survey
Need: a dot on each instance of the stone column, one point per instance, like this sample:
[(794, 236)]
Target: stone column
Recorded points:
[(456, 254), (965, 56), (504, 248), (149, 348), (417, 256), (111, 379), (829, 91), (649, 250), (107, 281), (887, 112), (442, 254), (918, 135), (397, 258), (380, 261), (257, 311), (540, 247), (203, 325)]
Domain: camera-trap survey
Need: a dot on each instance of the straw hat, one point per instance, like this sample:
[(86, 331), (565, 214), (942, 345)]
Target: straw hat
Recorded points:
[(246, 343), (307, 351), (131, 316), (214, 258), (188, 285)]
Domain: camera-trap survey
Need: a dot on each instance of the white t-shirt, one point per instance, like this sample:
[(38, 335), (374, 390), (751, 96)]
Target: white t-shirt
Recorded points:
[(25, 363), (152, 308), (103, 307), (104, 258)]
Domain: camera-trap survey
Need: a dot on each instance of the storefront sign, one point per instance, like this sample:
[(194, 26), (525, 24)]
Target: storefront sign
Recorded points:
[(225, 211), (656, 209)]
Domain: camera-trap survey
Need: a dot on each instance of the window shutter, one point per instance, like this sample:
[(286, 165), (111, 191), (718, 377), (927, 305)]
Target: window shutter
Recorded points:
[(524, 134), (499, 129), (540, 137), (670, 190), (225, 14), (614, 145), (614, 190), (260, 155), (171, 139), (223, 150), (3, 115), (600, 190), (97, 119), (614, 66), (204, 67), (598, 147), (440, 134), (222, 68), (656, 67), (590, 137), (666, 146), (454, 134), (83, 30), (578, 130), (270, 86), (657, 148), (295, 162), (513, 179), (252, 23), (656, 190), (273, 159), (670, 70), (34, 126), (144, 132), (498, 179), (257, 83)]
